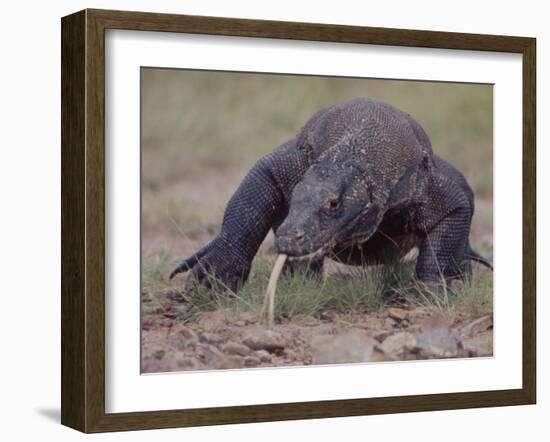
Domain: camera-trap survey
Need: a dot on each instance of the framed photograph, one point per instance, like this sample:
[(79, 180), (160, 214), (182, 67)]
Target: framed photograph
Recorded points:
[(270, 220)]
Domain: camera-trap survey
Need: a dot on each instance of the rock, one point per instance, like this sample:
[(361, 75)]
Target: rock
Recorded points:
[(261, 339), (188, 364), (290, 355), (211, 321), (438, 344), (479, 345), (231, 362), (380, 356), (479, 325), (235, 348), (398, 345), (184, 332), (208, 354), (182, 337), (211, 338), (382, 334), (248, 317), (251, 361), (240, 323), (159, 354), (170, 313), (264, 355), (372, 324), (174, 295), (350, 347), (150, 322), (398, 314), (328, 315), (390, 323)]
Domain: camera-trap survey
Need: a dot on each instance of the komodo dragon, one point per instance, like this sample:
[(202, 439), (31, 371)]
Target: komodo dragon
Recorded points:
[(357, 184)]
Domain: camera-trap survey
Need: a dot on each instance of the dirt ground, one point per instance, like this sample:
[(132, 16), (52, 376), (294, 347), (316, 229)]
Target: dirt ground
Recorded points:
[(337, 337)]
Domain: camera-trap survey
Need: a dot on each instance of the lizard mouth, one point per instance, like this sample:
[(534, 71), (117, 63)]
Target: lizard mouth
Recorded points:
[(319, 253)]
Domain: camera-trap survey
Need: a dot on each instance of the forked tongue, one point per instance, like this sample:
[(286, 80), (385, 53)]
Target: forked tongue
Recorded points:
[(269, 299)]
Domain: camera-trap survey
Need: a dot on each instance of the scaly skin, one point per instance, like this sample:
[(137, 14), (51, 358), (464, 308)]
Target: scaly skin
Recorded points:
[(358, 183)]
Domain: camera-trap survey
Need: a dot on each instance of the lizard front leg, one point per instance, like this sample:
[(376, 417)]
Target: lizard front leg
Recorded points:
[(443, 250), (446, 223), (258, 202)]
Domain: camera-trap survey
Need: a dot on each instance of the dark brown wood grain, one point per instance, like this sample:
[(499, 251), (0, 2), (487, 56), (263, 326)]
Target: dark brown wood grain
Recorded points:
[(83, 219), (73, 125)]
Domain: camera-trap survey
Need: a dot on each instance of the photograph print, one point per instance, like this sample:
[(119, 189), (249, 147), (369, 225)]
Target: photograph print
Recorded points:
[(295, 220)]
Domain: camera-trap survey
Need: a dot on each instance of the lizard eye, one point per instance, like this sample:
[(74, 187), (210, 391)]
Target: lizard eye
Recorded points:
[(333, 204)]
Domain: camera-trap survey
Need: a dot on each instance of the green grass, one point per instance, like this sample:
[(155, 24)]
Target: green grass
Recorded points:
[(300, 294)]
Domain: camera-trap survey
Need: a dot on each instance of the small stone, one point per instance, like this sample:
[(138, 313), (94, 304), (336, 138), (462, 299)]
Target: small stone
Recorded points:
[(264, 355), (150, 322), (174, 295), (187, 364), (390, 323), (328, 315), (265, 340), (251, 361), (437, 344), (398, 314), (185, 332), (208, 354), (350, 347), (479, 325), (240, 323), (381, 335), (248, 317), (380, 356), (479, 345), (290, 355), (235, 348), (231, 362), (211, 321), (211, 338), (397, 345)]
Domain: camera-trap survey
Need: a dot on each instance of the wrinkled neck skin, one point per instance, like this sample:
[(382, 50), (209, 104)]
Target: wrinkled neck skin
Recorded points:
[(334, 204)]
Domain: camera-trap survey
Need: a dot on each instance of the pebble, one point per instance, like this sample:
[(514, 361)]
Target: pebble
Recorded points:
[(398, 314), (187, 364), (211, 338), (479, 325), (328, 315), (236, 348), (398, 344), (264, 355), (439, 343), (383, 334), (251, 361), (350, 347), (231, 361), (265, 340), (248, 317), (185, 332)]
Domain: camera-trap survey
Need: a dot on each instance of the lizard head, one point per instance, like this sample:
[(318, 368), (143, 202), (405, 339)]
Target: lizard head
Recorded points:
[(330, 205)]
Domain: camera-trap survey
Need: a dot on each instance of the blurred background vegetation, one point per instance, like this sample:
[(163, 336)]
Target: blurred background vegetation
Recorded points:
[(203, 130)]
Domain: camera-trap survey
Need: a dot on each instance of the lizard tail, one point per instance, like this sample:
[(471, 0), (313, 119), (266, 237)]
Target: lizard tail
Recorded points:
[(474, 256)]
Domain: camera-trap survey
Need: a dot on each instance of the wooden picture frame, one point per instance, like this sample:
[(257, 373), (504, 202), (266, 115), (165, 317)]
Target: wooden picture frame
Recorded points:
[(83, 220)]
